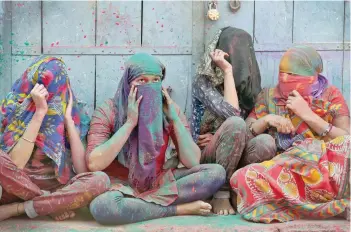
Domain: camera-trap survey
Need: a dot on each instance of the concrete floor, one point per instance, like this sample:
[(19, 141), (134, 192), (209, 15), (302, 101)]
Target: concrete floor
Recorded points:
[(84, 222)]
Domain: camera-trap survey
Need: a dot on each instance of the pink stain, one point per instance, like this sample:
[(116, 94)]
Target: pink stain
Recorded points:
[(103, 12), (156, 21), (78, 56), (162, 25), (153, 8), (57, 43), (93, 13), (69, 69), (52, 44), (101, 45), (85, 36), (122, 68), (117, 16), (117, 24)]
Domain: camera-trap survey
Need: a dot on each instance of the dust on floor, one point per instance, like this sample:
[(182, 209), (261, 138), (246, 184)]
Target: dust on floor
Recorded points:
[(84, 222)]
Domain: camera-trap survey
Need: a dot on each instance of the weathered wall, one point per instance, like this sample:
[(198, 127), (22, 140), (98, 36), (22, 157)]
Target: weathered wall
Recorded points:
[(95, 37)]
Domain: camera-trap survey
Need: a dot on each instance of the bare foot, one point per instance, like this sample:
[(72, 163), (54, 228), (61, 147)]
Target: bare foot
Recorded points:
[(194, 208), (63, 216), (11, 210), (222, 206)]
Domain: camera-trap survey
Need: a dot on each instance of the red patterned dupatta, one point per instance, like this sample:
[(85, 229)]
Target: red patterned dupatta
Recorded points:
[(309, 180)]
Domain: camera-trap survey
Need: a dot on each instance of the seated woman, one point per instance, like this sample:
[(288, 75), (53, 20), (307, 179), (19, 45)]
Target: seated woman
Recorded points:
[(222, 97), (310, 121), (40, 138), (128, 139)]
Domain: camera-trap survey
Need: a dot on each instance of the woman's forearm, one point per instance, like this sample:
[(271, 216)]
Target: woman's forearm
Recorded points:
[(22, 151), (259, 126), (189, 152), (102, 156), (230, 94), (77, 147), (318, 125)]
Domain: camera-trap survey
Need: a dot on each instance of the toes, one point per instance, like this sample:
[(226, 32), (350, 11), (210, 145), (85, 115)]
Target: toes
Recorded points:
[(221, 212), (205, 211), (72, 214), (225, 212), (231, 211), (205, 205)]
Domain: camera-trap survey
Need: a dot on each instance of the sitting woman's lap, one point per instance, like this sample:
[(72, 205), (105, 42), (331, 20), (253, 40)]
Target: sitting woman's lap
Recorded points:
[(302, 182), (197, 183)]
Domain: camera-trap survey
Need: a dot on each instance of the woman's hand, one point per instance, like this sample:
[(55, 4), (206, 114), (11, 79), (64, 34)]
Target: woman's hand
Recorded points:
[(133, 106), (218, 57), (298, 105), (168, 106), (283, 125), (39, 95), (68, 114), (204, 140)]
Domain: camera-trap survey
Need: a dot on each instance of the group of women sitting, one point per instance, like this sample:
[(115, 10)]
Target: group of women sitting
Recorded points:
[(274, 155)]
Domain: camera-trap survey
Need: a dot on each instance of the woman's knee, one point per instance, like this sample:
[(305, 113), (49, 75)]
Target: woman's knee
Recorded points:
[(105, 205), (99, 182), (262, 146), (235, 123), (217, 173)]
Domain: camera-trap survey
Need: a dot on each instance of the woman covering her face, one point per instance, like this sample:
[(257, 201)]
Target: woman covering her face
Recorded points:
[(227, 82), (128, 139), (310, 121), (41, 151)]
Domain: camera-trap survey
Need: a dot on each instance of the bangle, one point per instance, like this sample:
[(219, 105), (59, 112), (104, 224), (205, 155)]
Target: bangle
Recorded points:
[(327, 130), (27, 140), (252, 130)]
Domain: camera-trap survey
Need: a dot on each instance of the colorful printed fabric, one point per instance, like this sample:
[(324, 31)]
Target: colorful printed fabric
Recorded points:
[(309, 180), (330, 105), (210, 109), (17, 186), (300, 69), (18, 109), (301, 60)]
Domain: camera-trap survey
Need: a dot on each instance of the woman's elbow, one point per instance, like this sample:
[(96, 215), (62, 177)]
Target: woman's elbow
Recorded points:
[(91, 164), (194, 160)]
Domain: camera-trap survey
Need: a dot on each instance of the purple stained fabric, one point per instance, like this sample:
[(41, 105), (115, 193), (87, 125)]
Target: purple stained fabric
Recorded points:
[(319, 87), (140, 152), (146, 140)]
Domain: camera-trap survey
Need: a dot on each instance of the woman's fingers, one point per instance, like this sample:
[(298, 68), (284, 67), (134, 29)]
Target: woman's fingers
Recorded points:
[(135, 93), (139, 100), (165, 93), (131, 91)]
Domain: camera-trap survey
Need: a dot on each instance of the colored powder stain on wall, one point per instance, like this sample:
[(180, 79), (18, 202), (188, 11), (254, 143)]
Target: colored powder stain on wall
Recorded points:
[(26, 43), (85, 36), (11, 42), (57, 43), (106, 42)]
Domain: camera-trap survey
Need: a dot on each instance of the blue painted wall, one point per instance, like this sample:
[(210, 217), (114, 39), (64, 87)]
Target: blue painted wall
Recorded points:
[(95, 38)]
